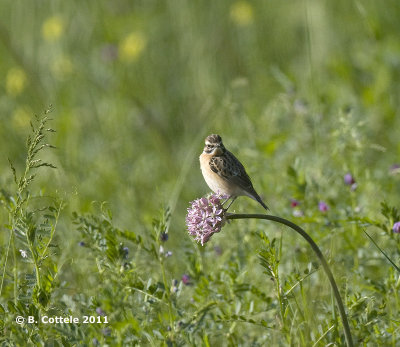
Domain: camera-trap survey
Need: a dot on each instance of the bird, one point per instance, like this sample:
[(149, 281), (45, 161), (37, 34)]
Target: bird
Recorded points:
[(224, 173)]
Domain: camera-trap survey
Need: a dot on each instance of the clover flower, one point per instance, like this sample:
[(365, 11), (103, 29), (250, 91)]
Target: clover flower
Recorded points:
[(164, 236), (396, 228), (350, 181), (205, 217), (323, 206), (100, 311), (294, 203), (185, 279)]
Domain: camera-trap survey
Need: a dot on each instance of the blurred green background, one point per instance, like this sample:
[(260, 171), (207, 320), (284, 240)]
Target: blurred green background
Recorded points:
[(135, 87)]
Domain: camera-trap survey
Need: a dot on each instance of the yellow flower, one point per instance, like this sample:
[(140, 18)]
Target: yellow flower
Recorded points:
[(242, 13), (132, 46), (21, 117), (62, 67), (53, 28), (16, 81)]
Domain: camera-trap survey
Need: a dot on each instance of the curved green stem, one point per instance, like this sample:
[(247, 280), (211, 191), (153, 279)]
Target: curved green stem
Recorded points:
[(320, 256)]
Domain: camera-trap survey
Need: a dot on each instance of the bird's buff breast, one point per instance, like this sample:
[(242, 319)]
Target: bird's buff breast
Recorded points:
[(216, 183)]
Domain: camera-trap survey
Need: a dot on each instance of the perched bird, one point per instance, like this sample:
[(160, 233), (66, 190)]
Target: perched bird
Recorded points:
[(224, 173)]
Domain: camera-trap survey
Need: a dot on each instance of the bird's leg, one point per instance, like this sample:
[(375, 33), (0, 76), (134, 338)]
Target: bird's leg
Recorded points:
[(233, 199)]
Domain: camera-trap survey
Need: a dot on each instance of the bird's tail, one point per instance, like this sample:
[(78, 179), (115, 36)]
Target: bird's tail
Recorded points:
[(262, 203), (253, 194)]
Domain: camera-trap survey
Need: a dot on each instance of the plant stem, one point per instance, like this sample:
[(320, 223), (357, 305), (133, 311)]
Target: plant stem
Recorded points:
[(5, 261), (167, 291), (321, 258), (53, 230), (15, 267)]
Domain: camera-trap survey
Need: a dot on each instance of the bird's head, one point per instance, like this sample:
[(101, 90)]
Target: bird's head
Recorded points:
[(214, 145)]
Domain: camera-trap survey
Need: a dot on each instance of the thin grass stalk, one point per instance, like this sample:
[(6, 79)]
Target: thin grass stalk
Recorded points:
[(321, 258)]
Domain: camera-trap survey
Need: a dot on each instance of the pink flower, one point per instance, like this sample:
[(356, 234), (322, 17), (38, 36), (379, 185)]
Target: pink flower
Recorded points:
[(350, 181), (185, 279), (205, 217), (396, 228), (294, 203), (323, 206)]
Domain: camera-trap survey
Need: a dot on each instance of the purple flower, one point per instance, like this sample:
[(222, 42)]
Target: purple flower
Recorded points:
[(185, 279), (100, 312), (323, 206), (164, 236), (294, 203), (205, 217), (396, 227), (349, 179)]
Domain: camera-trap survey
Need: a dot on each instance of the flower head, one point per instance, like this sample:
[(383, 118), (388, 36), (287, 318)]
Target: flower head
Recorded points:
[(205, 217), (396, 228), (323, 206), (294, 203), (185, 279), (242, 13), (53, 28), (100, 311), (350, 181), (132, 46), (16, 81), (164, 236)]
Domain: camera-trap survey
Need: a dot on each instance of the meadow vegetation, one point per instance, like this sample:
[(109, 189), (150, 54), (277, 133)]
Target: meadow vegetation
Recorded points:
[(95, 188)]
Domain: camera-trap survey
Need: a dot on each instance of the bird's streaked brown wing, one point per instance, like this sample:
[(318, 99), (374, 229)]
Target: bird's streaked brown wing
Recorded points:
[(230, 168)]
